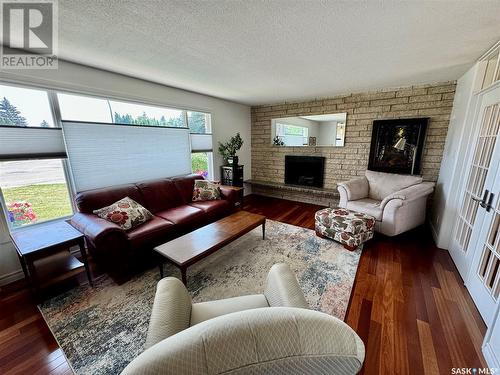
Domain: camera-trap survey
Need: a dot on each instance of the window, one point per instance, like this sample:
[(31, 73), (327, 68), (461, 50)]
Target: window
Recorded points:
[(90, 109), (201, 163), (24, 107), (83, 108), (34, 191), (139, 114), (199, 122), (200, 128), (31, 190)]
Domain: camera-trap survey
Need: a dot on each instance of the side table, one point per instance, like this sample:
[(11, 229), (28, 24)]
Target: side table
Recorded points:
[(44, 254), (239, 190)]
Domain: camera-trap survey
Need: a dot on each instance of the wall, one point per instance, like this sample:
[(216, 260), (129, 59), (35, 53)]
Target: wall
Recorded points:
[(434, 101), (227, 118)]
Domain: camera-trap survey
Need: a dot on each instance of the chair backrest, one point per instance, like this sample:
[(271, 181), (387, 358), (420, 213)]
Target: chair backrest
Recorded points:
[(383, 184), (274, 340)]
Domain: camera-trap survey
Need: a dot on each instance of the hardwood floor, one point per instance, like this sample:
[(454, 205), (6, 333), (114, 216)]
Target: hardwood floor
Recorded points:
[(408, 305)]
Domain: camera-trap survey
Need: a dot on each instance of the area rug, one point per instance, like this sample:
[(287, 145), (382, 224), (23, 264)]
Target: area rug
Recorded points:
[(102, 329)]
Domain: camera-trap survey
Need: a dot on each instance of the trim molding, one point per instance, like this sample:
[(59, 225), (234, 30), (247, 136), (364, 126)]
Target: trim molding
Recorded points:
[(11, 277)]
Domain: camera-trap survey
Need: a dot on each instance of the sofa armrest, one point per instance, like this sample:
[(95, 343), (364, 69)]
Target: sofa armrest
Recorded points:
[(94, 227), (356, 188), (229, 194), (171, 312), (410, 193), (282, 288)]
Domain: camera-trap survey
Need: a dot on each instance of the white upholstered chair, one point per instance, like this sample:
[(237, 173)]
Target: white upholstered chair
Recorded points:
[(270, 333), (397, 202)]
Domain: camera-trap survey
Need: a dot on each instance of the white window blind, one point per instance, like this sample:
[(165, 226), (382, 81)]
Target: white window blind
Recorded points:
[(18, 142), (201, 142), (103, 155)]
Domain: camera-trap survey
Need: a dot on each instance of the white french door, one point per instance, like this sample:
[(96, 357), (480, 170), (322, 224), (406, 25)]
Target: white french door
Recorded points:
[(483, 281), (482, 159)]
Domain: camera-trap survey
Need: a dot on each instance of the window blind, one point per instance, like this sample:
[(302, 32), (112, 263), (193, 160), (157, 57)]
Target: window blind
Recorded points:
[(201, 142), (102, 155), (18, 142)]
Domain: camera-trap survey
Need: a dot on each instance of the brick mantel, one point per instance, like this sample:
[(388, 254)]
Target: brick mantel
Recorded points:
[(434, 101)]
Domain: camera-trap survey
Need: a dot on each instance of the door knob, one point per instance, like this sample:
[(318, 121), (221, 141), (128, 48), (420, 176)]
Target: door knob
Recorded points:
[(482, 202), (488, 205)]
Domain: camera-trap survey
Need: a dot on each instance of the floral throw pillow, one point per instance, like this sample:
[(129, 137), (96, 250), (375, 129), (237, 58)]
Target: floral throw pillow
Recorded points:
[(206, 190), (126, 213)]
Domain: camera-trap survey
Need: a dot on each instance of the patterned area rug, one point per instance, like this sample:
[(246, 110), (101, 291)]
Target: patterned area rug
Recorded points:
[(102, 329)]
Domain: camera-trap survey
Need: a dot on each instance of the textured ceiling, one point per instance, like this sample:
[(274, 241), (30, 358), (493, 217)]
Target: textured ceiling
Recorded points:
[(258, 52)]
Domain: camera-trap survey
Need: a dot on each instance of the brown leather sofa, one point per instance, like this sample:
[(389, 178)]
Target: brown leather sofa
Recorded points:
[(170, 202)]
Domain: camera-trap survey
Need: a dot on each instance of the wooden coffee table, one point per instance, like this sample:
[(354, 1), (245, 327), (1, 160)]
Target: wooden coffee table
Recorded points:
[(192, 247)]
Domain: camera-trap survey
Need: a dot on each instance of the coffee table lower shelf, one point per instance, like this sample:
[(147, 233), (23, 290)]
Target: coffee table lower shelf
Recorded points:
[(190, 248)]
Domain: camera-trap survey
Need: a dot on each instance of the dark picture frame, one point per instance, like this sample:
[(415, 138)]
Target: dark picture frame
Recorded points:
[(397, 145)]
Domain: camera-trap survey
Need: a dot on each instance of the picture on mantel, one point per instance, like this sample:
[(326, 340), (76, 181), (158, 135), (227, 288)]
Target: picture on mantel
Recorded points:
[(397, 145)]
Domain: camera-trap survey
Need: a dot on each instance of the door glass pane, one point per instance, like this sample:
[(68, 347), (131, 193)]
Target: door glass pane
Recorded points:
[(478, 172), (34, 191), (24, 107)]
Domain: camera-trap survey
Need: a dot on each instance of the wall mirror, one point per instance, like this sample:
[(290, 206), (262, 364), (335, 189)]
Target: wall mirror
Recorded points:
[(315, 130)]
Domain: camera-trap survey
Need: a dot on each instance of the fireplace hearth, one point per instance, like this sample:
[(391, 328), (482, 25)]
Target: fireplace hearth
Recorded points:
[(304, 170)]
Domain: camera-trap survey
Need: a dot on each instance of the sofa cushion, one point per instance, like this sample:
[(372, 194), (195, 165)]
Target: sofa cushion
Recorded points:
[(182, 215), (213, 207), (126, 213), (366, 206), (90, 200), (185, 185), (383, 184), (159, 195), (207, 310), (151, 233)]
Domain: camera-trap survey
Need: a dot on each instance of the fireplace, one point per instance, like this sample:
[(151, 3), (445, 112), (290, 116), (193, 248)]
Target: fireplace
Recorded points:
[(304, 170)]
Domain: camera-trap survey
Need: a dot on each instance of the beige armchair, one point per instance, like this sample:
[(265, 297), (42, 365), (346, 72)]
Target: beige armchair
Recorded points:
[(397, 202), (243, 335)]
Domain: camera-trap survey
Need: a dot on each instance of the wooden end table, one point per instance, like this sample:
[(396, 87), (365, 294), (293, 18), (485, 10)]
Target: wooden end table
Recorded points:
[(240, 190), (40, 250), (186, 250)]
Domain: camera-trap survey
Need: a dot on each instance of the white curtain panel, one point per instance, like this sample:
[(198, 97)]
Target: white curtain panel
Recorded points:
[(102, 155), (29, 142)]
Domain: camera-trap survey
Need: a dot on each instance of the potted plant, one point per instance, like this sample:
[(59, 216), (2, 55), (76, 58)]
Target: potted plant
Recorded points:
[(228, 149)]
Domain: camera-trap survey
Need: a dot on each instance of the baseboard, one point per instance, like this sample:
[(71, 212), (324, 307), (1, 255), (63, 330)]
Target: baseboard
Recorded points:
[(433, 233), (11, 277)]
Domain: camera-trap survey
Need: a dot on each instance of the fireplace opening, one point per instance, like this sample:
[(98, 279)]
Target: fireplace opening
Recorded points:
[(304, 170)]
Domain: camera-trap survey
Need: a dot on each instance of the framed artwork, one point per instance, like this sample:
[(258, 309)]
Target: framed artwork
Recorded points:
[(312, 141), (397, 145)]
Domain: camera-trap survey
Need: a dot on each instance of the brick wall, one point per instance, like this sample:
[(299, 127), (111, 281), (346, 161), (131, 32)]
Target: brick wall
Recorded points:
[(342, 163)]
